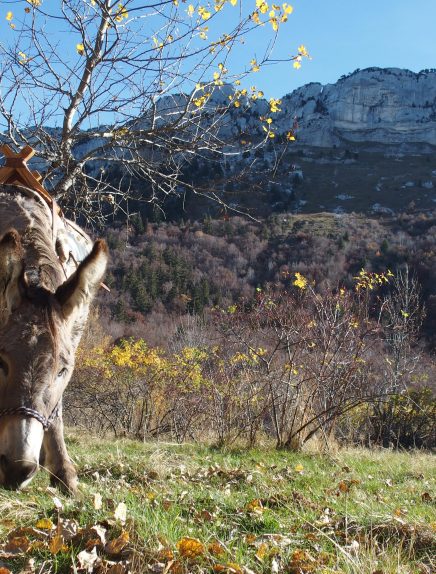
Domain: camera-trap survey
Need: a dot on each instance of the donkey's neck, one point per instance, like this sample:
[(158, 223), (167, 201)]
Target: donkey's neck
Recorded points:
[(33, 221)]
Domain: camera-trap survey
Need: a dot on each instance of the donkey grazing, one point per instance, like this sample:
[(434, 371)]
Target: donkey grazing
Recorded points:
[(44, 303)]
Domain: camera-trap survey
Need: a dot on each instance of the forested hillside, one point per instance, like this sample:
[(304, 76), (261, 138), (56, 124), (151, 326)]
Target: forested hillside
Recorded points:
[(161, 271)]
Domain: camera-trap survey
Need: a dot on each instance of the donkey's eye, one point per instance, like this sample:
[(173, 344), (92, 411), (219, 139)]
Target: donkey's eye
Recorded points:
[(4, 367), (63, 372)]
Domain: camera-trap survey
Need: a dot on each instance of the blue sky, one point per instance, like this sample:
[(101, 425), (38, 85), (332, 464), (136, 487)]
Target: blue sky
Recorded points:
[(343, 35)]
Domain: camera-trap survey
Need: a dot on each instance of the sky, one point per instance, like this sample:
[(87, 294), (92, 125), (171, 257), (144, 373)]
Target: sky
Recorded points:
[(343, 35), (340, 35)]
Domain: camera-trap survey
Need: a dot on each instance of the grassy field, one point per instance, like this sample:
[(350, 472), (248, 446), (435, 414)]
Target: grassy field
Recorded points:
[(164, 508)]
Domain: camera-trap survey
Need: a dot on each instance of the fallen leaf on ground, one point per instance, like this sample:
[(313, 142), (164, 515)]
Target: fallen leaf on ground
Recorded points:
[(215, 548), (17, 545), (262, 551), (190, 547), (68, 528), (87, 560), (117, 545), (98, 501), (56, 544), (45, 524), (254, 506), (230, 568), (121, 512), (117, 569)]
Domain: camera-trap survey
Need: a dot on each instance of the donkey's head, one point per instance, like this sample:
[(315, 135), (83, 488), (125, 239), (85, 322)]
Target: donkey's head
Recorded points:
[(39, 333)]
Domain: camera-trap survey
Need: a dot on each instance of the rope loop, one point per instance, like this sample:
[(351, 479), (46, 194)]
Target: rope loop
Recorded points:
[(28, 412)]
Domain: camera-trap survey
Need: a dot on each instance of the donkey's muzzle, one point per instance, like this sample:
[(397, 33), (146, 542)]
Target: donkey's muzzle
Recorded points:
[(16, 472)]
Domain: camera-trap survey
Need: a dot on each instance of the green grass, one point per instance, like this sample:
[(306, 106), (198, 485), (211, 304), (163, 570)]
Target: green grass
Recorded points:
[(261, 510)]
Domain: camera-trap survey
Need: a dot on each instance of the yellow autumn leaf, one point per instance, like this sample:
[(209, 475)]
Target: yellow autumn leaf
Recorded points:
[(290, 137), (190, 547), (121, 13), (274, 105), (297, 65), (262, 6), (22, 58), (80, 48), (302, 50), (233, 2), (191, 10), (287, 8), (254, 66), (300, 281), (56, 544), (215, 548), (262, 551), (204, 13), (254, 506), (299, 468), (229, 568), (255, 18), (9, 16), (274, 23), (44, 524)]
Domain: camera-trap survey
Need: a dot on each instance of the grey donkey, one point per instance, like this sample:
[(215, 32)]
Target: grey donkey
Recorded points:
[(44, 303)]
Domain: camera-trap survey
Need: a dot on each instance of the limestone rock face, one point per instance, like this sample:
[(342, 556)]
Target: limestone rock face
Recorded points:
[(378, 105)]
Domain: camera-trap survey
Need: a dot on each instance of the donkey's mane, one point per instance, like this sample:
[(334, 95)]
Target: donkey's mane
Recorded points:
[(32, 219)]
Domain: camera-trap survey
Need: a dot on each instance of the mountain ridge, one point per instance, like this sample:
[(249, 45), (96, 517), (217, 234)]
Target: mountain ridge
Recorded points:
[(379, 106)]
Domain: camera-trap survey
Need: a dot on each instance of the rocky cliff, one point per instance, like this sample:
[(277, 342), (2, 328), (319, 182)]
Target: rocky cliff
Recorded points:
[(375, 105)]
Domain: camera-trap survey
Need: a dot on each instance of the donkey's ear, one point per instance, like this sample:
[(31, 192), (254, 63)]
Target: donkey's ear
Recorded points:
[(80, 288), (11, 270)]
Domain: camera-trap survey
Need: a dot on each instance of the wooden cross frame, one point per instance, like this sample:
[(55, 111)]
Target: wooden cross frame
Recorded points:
[(16, 172)]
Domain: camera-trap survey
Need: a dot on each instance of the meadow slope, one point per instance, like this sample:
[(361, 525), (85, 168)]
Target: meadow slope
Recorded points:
[(164, 508)]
